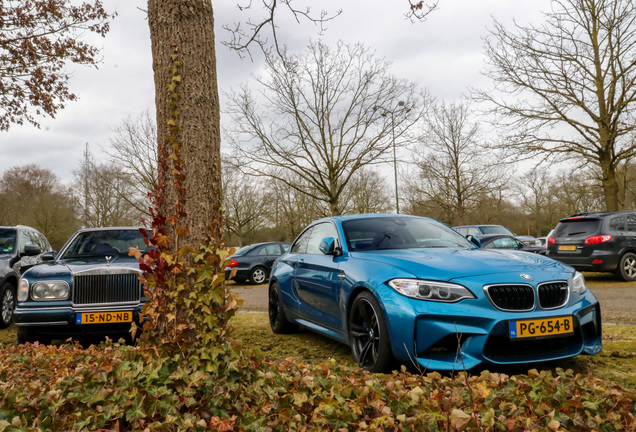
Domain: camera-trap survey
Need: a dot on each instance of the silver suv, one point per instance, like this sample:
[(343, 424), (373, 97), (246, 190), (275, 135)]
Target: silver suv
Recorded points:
[(21, 247)]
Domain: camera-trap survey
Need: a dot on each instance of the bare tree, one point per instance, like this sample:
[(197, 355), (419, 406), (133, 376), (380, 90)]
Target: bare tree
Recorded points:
[(245, 205), (454, 173), (260, 27), (577, 191), (567, 88), (292, 210), (367, 192), (537, 200), (104, 195), (133, 148), (320, 118), (34, 196)]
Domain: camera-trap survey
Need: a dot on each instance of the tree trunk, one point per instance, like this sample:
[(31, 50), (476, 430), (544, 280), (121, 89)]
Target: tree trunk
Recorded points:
[(610, 188), (182, 35)]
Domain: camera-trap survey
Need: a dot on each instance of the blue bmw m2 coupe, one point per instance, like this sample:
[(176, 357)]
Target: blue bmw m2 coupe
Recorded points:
[(412, 290)]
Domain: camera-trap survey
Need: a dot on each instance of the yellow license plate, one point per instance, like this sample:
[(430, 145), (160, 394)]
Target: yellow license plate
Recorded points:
[(104, 317), (541, 327), (567, 248)]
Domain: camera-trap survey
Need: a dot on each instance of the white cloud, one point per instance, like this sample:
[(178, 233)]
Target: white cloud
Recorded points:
[(442, 54)]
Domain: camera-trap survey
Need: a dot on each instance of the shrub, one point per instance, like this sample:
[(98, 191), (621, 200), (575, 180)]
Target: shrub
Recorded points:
[(111, 387)]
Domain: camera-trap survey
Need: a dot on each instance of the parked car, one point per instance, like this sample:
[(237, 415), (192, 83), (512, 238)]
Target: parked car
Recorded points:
[(21, 247), (505, 241), (412, 289), (477, 230), (90, 289), (598, 242), (254, 262)]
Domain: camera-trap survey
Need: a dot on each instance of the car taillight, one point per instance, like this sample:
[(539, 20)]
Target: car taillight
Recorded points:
[(551, 240), (232, 263), (598, 239)]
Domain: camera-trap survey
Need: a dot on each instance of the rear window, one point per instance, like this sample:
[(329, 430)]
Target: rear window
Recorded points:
[(577, 227), (495, 229)]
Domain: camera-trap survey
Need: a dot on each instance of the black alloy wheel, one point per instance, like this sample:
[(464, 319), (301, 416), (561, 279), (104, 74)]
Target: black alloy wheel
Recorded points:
[(277, 319), (7, 304), (369, 334)]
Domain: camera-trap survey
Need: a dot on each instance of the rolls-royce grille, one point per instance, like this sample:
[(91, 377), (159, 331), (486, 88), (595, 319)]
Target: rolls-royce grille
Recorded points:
[(511, 297), (553, 295), (106, 288)]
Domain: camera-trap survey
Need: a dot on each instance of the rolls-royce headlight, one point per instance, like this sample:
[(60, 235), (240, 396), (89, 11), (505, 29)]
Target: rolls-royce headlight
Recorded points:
[(578, 283), (55, 290), (428, 290)]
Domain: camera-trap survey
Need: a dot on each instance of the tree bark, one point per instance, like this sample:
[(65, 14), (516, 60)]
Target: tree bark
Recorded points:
[(182, 35), (610, 185)]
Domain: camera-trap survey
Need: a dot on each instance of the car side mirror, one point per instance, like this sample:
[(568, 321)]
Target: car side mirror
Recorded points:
[(31, 250), (48, 256), (474, 240), (328, 246)]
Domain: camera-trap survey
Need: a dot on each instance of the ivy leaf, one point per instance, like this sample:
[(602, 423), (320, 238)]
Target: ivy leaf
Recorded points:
[(459, 420)]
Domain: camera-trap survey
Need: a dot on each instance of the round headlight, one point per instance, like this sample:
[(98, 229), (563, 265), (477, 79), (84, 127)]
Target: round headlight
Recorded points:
[(55, 290)]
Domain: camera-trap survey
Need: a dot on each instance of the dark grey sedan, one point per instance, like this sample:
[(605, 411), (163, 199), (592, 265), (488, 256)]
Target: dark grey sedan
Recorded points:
[(254, 262)]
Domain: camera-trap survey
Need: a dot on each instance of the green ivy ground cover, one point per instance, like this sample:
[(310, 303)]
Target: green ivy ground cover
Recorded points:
[(66, 388)]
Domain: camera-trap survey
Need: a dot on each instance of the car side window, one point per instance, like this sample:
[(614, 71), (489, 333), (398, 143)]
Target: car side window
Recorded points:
[(43, 242), (505, 243), (320, 232), (462, 231), (631, 222), (300, 246), (27, 238), (618, 224), (473, 231), (272, 249)]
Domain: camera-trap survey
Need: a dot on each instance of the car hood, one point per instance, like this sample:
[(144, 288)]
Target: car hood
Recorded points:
[(447, 264), (62, 267)]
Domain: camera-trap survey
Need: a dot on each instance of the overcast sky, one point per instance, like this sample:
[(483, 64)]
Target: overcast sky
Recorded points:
[(442, 54)]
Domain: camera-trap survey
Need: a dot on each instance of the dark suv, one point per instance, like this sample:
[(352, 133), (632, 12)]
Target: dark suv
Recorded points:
[(600, 242), (20, 248)]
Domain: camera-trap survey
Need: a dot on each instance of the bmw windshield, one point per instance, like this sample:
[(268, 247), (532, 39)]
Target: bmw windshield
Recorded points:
[(400, 233)]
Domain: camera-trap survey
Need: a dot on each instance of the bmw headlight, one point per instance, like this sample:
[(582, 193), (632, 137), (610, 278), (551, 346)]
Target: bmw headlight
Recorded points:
[(54, 290), (428, 290), (578, 283)]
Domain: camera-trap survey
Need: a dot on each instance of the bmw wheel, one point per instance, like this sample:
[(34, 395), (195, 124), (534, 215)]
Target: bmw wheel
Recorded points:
[(369, 334), (277, 319), (258, 275), (627, 267), (7, 305)]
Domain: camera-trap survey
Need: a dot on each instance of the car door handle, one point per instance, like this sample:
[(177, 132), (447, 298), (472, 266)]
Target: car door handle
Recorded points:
[(341, 275)]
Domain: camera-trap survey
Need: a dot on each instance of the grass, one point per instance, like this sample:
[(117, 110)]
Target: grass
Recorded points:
[(603, 280), (616, 362)]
